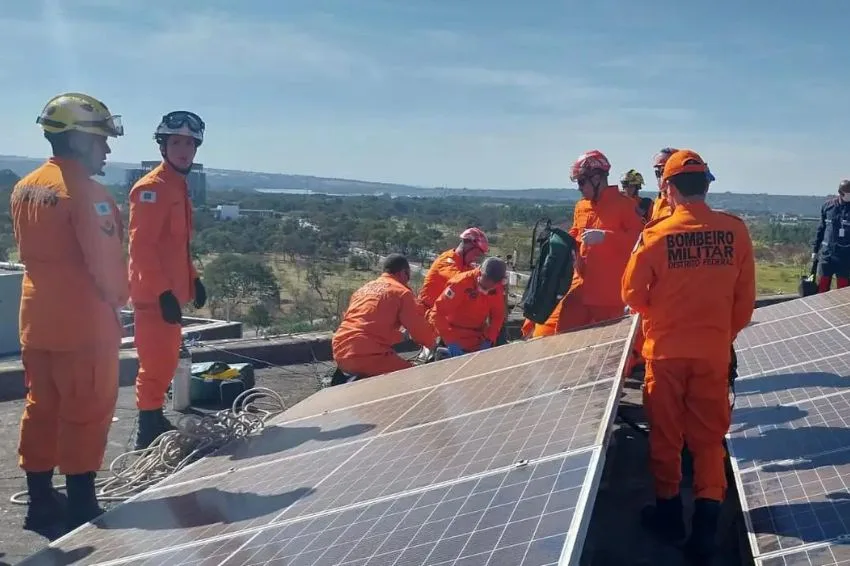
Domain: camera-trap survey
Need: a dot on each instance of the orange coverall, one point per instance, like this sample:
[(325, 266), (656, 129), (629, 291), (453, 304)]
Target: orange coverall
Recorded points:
[(595, 292), (466, 316), (692, 278), (447, 265), (160, 232), (363, 343), (69, 234), (661, 207), (548, 328)]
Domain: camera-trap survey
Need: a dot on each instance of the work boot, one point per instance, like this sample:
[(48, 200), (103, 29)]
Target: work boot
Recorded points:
[(47, 506), (82, 499), (665, 519), (151, 425), (700, 545)]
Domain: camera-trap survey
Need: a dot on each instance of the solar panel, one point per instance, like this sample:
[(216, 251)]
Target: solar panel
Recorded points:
[(823, 555), (790, 438), (351, 461)]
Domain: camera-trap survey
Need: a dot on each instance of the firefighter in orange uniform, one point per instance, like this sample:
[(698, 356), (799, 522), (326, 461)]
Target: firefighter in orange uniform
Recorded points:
[(162, 276), (631, 183), (692, 279), (470, 313), (69, 234), (606, 225), (661, 207), (473, 245), (363, 343)]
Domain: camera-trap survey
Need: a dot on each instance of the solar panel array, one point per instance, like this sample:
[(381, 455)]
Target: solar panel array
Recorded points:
[(491, 458), (790, 437)]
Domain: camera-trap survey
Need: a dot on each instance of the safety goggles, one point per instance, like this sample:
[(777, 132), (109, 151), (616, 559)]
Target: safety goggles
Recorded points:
[(178, 119)]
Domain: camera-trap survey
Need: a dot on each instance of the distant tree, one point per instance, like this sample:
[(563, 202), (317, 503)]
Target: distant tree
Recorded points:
[(258, 316), (236, 280), (359, 262)]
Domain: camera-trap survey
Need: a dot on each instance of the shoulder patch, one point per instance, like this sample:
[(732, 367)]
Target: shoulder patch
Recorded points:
[(102, 208), (147, 196), (449, 260)]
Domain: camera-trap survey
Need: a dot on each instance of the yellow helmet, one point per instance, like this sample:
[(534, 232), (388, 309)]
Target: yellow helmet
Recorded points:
[(632, 177), (80, 112)]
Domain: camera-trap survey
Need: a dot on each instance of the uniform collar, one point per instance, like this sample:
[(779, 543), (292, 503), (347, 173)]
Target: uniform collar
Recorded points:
[(71, 166), (694, 207)]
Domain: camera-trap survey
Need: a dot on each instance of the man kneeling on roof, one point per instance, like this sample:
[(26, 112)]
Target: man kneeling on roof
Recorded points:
[(471, 311), (363, 343), (691, 276)]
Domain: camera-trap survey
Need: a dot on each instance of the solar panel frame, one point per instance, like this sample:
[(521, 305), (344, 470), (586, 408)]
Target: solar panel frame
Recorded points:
[(784, 485), (571, 549)]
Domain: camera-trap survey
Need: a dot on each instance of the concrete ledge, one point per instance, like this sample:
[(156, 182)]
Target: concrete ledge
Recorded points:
[(261, 352)]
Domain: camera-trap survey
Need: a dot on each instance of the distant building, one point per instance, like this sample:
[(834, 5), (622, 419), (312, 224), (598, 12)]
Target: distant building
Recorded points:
[(233, 211), (197, 180), (227, 212)]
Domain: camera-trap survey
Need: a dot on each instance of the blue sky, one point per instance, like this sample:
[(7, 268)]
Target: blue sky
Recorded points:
[(476, 93)]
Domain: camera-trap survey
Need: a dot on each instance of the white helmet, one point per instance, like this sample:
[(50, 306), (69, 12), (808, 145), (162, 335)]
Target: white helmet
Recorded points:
[(181, 123)]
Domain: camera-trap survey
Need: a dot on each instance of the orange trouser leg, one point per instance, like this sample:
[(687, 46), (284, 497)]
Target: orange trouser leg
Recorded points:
[(158, 347), (574, 313), (688, 402), (376, 364), (69, 409)]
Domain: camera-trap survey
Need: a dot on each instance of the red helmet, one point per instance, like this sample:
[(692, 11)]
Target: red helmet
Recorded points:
[(660, 158), (477, 237), (590, 162)]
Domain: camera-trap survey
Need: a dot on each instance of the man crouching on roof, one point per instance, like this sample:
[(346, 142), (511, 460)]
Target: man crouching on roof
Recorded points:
[(691, 276), (363, 343), (470, 313)]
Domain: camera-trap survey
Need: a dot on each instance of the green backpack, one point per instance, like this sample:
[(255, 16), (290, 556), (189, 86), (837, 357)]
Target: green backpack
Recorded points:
[(552, 275)]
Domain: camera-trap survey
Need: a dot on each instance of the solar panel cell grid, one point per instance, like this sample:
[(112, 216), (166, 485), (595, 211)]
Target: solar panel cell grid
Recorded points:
[(307, 435), (837, 555), (513, 384), (520, 517), (819, 426), (762, 333), (763, 359), (781, 311), (798, 505), (531, 352), (374, 388), (567, 420), (837, 316), (822, 301), (790, 386), (190, 512)]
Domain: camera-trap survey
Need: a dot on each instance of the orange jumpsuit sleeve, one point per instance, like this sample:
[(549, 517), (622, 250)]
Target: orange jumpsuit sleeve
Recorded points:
[(638, 278), (413, 319), (148, 215), (745, 286), (444, 306), (95, 224), (497, 317)]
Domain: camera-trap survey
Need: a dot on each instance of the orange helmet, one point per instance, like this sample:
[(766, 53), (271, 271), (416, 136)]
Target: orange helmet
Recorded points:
[(477, 237)]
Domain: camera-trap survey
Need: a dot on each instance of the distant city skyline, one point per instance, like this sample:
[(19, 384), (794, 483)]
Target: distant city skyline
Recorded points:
[(478, 94)]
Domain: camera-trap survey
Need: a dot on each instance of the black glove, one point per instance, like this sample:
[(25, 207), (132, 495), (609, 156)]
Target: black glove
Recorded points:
[(200, 294), (170, 308)]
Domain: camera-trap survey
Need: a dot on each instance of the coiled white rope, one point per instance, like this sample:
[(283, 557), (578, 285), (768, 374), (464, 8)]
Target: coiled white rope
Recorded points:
[(194, 437)]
